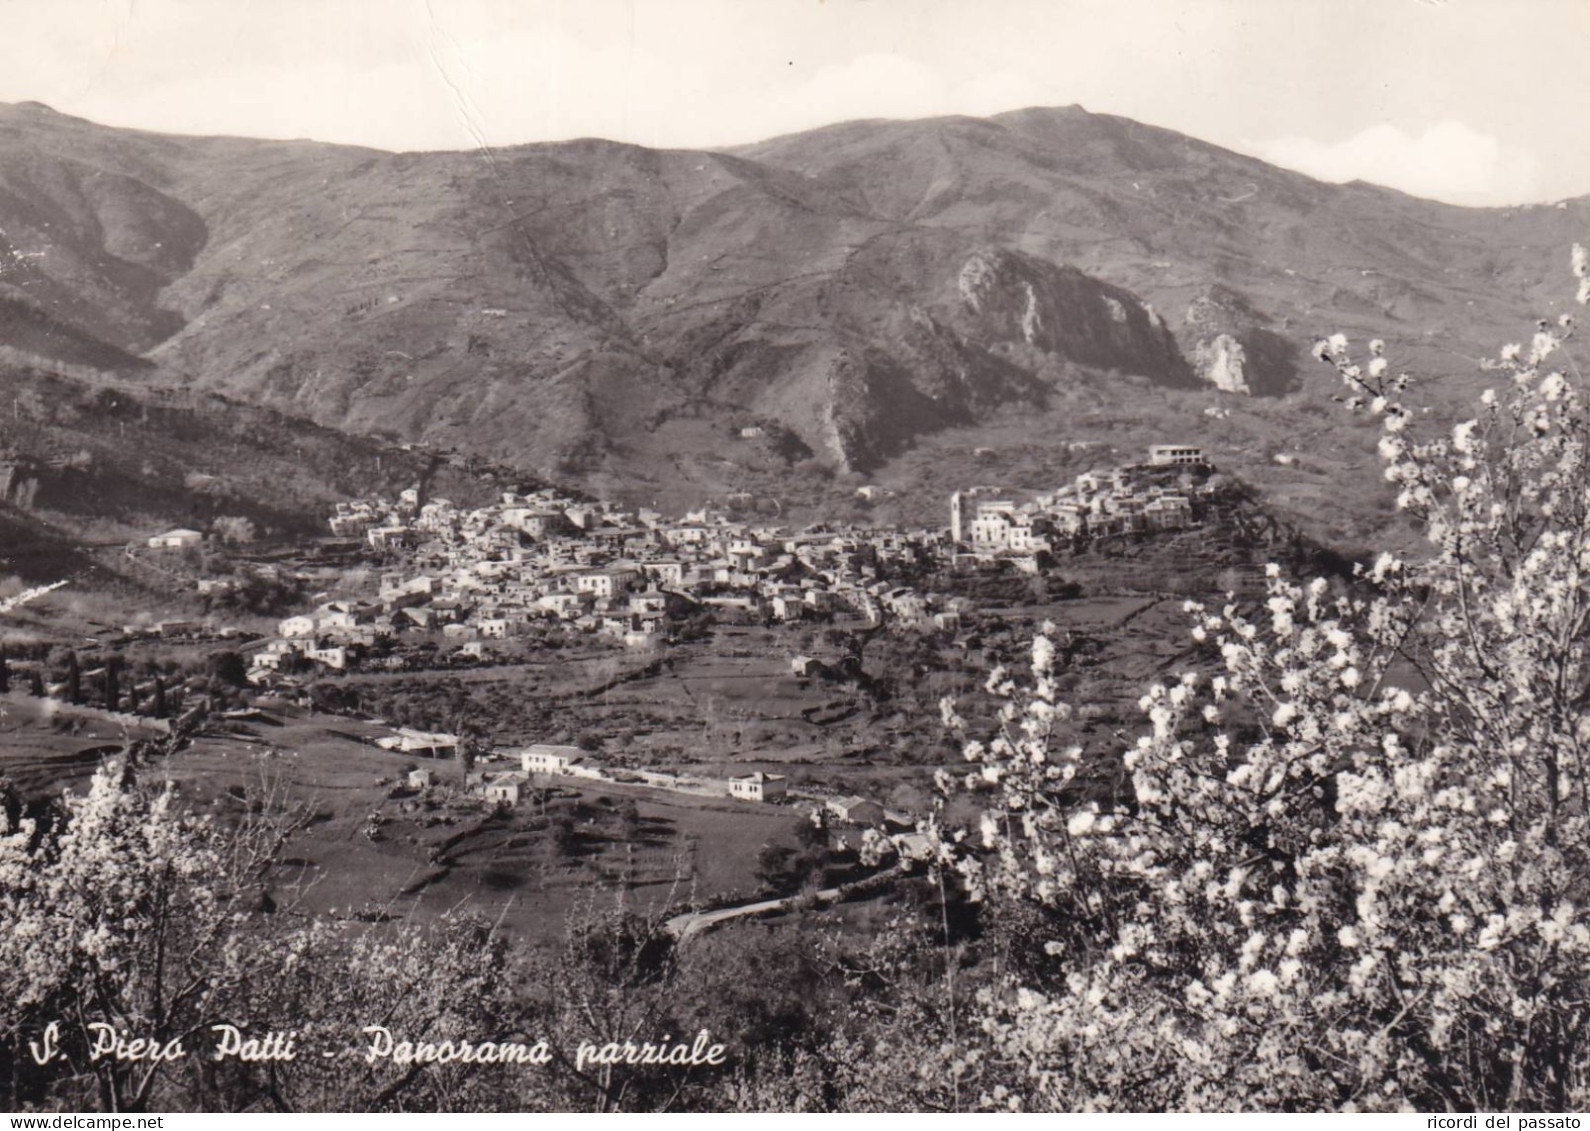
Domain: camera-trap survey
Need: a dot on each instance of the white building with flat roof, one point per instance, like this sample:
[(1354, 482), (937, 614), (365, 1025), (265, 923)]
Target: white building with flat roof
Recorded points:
[(758, 787), (1168, 454), (543, 759), (175, 539)]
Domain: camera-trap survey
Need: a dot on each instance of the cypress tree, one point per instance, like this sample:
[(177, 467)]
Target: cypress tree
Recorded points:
[(112, 683), (74, 679), (159, 708)]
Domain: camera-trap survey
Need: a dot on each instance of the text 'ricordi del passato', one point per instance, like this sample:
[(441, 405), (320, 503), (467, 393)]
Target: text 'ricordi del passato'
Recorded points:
[(1502, 1122)]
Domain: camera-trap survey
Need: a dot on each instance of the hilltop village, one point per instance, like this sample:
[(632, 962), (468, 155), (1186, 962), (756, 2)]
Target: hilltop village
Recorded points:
[(1133, 499), (481, 578)]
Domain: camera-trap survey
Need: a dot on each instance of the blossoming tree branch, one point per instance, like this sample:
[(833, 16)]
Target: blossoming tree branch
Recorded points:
[(1350, 868)]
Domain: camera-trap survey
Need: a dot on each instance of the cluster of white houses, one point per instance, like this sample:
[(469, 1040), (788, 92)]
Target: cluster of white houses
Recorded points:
[(544, 761), (476, 576), (479, 575), (1132, 499)]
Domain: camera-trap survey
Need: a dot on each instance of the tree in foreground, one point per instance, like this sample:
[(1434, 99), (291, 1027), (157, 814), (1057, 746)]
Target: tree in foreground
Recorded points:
[(122, 909), (1351, 869), (116, 910)]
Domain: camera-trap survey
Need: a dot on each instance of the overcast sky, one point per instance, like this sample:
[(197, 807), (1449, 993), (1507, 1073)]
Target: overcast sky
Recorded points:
[(1472, 101)]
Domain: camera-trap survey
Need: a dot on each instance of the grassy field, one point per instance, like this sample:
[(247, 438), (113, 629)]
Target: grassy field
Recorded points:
[(646, 849), (46, 747), (374, 849)]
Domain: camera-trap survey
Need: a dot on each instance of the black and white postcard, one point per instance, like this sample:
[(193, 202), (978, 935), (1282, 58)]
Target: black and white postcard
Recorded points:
[(794, 556)]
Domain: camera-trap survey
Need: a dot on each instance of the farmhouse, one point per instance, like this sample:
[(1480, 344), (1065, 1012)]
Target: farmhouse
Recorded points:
[(856, 810), (504, 790), (431, 743), (176, 539), (542, 759), (758, 787)]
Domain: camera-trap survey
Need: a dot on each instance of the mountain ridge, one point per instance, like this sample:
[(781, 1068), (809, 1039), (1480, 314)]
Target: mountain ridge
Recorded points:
[(617, 315)]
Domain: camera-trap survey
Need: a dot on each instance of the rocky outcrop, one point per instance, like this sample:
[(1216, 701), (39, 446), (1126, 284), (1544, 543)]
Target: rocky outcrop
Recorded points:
[(19, 481), (1222, 362), (1232, 348), (1019, 300), (941, 333)]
